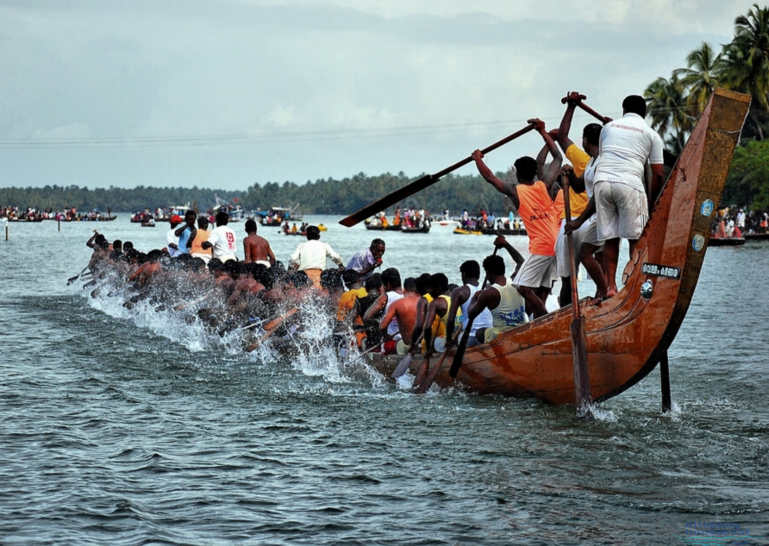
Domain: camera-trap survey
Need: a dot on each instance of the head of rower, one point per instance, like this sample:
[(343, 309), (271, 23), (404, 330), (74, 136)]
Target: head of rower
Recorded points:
[(377, 249), (222, 218), (591, 134), (250, 227), (312, 233)]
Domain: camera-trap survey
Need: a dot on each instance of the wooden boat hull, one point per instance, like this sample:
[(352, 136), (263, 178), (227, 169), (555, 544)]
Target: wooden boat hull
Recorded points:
[(382, 228), (503, 231), (425, 229), (627, 334)]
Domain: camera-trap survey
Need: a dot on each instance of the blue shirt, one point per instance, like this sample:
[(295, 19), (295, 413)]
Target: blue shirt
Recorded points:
[(183, 238)]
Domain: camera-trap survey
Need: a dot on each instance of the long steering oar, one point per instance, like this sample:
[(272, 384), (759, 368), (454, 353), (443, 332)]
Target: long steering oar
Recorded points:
[(578, 334), (422, 183), (460, 354), (427, 382)]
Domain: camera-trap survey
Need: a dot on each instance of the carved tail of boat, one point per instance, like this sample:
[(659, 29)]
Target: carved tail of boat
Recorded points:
[(628, 333)]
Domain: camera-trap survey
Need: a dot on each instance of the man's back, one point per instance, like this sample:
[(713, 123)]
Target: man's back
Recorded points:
[(625, 145), (257, 249)]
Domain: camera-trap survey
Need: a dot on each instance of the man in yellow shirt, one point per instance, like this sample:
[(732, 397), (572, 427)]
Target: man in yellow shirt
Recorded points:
[(584, 239)]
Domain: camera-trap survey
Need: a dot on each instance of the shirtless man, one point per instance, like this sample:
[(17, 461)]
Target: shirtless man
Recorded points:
[(257, 248), (404, 310)]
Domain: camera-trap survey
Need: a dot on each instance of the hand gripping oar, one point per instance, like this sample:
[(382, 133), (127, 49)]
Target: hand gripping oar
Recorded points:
[(578, 334), (460, 354), (422, 183), (76, 277), (427, 382)]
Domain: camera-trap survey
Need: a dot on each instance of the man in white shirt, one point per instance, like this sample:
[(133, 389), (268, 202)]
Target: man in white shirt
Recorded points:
[(222, 239), (620, 196), (311, 255), (172, 240)]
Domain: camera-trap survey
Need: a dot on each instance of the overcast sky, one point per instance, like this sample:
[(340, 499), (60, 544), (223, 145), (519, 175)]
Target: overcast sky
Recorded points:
[(228, 93)]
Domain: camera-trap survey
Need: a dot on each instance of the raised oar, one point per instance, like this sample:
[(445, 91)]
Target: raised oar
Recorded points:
[(76, 277), (422, 183), (460, 354), (578, 334), (427, 382)]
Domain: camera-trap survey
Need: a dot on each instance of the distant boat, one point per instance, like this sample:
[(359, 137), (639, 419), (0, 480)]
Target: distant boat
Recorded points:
[(756, 236), (460, 231), (726, 241)]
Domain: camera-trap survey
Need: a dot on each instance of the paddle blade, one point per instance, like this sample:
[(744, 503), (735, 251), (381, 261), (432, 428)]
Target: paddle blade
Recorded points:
[(389, 200), (579, 353), (402, 366), (422, 371), (460, 354), (431, 375)]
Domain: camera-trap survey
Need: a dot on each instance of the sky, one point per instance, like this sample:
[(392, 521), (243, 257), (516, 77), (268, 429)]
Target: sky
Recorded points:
[(229, 93)]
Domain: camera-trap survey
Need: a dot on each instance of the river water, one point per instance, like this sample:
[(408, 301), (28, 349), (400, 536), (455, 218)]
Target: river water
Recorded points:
[(132, 428)]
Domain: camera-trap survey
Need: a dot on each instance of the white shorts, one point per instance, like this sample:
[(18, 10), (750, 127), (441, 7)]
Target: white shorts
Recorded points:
[(536, 271), (205, 257), (588, 233), (562, 251), (621, 210)]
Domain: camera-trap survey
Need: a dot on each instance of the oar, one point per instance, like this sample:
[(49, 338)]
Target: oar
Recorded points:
[(270, 328), (405, 362), (421, 183), (76, 277), (578, 334), (460, 354), (427, 382)]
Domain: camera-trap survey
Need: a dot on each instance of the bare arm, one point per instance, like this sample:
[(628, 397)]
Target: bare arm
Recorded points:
[(577, 223), (247, 249), (458, 297), (387, 319), (658, 178), (418, 323), (555, 166), (428, 328), (563, 131), (541, 158), (498, 184), (375, 308), (485, 299)]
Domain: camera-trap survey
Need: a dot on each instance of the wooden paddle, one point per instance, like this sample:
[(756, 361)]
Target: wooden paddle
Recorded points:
[(422, 183), (76, 277), (405, 362), (578, 334), (427, 382), (460, 354), (270, 328)]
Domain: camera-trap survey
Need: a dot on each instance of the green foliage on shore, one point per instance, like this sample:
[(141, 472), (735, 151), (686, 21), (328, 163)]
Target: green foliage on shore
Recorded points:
[(324, 196), (675, 103)]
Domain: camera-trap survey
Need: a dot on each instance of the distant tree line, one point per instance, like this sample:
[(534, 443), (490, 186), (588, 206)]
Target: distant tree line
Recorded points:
[(324, 196), (675, 103)]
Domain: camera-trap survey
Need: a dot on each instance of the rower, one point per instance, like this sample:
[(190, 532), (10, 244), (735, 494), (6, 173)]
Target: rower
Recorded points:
[(438, 288), (370, 326), (185, 232), (172, 240), (256, 248), (470, 271), (582, 225), (507, 306), (533, 200), (404, 312), (393, 291), (197, 239)]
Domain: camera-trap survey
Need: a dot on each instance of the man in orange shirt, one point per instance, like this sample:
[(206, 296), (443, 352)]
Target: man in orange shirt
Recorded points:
[(197, 238), (533, 200)]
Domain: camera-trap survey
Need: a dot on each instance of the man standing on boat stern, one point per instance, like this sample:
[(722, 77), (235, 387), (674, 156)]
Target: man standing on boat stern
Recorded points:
[(311, 255), (534, 202), (620, 196)]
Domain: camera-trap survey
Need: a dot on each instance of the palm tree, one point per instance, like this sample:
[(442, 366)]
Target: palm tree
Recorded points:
[(667, 106), (746, 61), (700, 77)]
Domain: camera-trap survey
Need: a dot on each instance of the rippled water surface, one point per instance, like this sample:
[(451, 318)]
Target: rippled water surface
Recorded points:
[(131, 428)]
